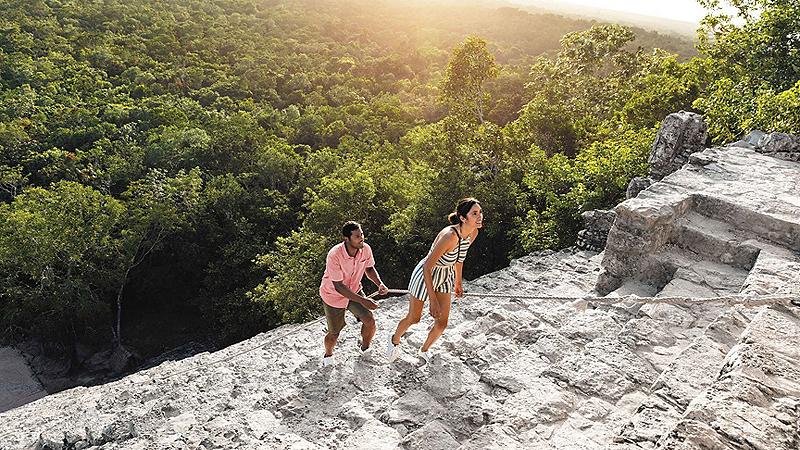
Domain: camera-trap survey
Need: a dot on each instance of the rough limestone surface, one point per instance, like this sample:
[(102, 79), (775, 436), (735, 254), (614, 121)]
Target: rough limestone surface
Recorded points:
[(514, 371), (781, 145)]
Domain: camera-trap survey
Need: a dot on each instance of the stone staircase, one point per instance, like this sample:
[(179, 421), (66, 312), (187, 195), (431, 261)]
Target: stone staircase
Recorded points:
[(673, 356), (715, 246), (688, 349), (612, 377)]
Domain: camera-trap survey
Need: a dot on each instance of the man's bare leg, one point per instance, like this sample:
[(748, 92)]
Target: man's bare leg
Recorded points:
[(367, 331), (330, 342)]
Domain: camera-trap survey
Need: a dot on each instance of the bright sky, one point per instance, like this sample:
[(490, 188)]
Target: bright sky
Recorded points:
[(683, 10)]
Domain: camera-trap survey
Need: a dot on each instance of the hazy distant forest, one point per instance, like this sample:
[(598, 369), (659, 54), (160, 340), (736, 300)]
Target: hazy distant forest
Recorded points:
[(178, 169)]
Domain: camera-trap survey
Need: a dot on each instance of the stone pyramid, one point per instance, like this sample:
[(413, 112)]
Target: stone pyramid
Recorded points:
[(516, 372)]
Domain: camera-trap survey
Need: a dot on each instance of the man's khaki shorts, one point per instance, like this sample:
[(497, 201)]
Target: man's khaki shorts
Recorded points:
[(335, 316)]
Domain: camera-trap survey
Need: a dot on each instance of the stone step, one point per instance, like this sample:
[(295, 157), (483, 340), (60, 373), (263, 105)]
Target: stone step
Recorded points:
[(687, 376), (674, 257), (637, 288), (604, 361), (630, 308), (661, 267), (558, 373), (713, 278), (702, 279), (783, 230), (702, 333), (754, 402), (598, 356), (605, 357), (714, 240), (775, 270)]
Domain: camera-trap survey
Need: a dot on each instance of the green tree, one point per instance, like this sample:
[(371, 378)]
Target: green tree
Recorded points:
[(12, 180), (57, 260), (755, 61), (560, 188), (463, 87), (579, 89), (157, 206), (296, 265)]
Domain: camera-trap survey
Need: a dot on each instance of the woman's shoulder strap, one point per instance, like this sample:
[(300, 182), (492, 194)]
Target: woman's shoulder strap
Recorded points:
[(455, 228)]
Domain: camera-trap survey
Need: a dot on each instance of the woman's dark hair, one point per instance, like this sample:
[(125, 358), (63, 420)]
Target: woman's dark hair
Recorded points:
[(462, 209), (349, 227)]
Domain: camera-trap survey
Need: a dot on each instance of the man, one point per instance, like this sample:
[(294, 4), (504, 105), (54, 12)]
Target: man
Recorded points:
[(341, 289)]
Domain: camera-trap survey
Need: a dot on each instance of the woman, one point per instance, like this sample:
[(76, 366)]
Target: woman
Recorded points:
[(438, 275)]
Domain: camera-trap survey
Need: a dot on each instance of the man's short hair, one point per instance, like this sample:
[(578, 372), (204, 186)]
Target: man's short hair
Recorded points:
[(349, 227)]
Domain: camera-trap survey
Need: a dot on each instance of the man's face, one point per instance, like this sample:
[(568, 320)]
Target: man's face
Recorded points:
[(356, 239)]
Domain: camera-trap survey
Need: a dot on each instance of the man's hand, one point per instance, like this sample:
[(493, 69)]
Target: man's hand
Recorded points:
[(382, 289), (368, 303), (459, 290)]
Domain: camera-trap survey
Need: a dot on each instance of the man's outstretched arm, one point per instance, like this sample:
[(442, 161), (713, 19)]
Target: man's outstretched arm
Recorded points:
[(372, 274)]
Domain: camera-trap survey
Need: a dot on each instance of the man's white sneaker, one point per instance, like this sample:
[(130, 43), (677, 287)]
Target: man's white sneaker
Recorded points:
[(367, 354), (327, 361), (392, 351)]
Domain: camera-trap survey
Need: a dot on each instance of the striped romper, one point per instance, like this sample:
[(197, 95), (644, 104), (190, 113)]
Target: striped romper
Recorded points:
[(444, 272)]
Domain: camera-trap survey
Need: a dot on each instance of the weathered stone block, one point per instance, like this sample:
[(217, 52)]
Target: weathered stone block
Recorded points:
[(680, 135)]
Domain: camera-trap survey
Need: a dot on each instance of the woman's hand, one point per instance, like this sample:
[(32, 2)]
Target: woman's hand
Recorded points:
[(434, 309), (459, 290)]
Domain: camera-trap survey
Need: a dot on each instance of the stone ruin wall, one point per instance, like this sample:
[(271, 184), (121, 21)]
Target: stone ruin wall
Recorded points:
[(636, 231)]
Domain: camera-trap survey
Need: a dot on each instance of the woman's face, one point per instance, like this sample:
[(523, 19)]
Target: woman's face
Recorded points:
[(474, 216)]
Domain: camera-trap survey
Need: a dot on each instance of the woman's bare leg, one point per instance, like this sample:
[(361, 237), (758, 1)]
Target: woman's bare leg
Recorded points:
[(440, 323), (414, 313)]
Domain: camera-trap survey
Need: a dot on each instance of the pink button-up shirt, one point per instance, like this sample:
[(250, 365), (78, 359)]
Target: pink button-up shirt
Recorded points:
[(340, 266)]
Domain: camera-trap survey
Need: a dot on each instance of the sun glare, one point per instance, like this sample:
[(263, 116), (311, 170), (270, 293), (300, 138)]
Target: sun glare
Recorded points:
[(682, 10)]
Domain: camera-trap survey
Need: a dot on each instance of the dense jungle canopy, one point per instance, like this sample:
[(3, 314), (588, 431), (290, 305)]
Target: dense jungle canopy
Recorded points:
[(179, 168)]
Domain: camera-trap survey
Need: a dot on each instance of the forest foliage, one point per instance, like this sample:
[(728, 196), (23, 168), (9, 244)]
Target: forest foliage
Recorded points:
[(180, 168)]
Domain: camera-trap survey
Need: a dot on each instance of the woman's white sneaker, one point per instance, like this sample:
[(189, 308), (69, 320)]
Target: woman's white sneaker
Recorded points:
[(392, 351), (327, 361), (425, 356)]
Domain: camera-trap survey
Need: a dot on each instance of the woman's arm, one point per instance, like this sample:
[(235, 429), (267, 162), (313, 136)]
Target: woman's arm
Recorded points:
[(460, 266), (459, 287)]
